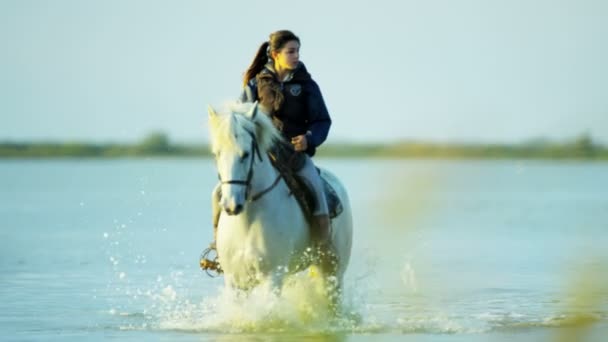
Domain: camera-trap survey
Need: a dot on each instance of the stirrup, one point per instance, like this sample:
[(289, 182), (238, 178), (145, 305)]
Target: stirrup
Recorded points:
[(209, 262)]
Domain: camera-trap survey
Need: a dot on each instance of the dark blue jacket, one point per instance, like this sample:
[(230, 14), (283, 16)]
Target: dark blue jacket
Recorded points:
[(302, 110)]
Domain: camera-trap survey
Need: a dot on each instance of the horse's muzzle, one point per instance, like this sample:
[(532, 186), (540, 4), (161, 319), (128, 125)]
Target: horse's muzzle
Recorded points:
[(237, 210)]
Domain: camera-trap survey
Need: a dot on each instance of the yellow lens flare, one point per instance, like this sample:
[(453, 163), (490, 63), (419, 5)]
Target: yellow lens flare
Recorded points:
[(587, 293)]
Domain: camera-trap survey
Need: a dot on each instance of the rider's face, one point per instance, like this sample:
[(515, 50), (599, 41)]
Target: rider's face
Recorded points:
[(288, 56)]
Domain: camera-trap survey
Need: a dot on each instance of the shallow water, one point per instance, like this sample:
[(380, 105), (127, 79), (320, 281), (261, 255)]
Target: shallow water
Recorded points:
[(443, 251)]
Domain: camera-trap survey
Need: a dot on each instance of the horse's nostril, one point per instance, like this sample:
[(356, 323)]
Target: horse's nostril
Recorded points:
[(237, 210)]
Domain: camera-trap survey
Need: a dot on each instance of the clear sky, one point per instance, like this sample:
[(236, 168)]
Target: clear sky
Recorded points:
[(430, 70)]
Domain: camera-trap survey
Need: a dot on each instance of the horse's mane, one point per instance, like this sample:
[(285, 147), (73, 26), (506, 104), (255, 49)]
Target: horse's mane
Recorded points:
[(232, 125)]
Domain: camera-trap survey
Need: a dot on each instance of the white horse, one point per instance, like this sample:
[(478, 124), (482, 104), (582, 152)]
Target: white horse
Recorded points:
[(262, 233)]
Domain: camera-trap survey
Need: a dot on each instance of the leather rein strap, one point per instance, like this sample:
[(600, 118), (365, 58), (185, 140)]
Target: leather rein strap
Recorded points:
[(247, 182)]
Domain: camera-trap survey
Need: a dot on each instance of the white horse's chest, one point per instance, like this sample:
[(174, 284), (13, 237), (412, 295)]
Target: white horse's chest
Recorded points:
[(269, 234)]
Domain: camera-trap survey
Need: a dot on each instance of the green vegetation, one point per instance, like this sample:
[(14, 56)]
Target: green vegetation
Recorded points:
[(581, 147), (158, 144)]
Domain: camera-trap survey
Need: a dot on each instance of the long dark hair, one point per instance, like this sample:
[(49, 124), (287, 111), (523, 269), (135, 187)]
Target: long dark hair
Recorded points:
[(277, 40)]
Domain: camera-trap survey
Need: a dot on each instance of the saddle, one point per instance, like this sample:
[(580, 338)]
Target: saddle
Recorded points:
[(288, 164)]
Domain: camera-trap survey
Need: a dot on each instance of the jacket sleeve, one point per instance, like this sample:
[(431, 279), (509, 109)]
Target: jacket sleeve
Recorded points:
[(318, 120), (250, 92)]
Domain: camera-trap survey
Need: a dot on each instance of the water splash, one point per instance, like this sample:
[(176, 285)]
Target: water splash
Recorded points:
[(302, 306), (182, 301)]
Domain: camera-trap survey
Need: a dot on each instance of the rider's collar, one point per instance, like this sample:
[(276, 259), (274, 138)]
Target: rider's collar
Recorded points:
[(270, 67)]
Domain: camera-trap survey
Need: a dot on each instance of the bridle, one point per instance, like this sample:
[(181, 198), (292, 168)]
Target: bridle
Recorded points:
[(247, 182)]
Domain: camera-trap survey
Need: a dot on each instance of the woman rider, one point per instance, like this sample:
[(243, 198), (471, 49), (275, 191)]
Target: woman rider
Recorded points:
[(279, 81)]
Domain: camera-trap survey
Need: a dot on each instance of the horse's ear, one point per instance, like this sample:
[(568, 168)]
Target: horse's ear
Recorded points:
[(211, 111), (253, 111), (212, 114)]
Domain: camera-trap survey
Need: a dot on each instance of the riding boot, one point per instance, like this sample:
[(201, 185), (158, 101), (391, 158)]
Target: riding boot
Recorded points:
[(328, 258)]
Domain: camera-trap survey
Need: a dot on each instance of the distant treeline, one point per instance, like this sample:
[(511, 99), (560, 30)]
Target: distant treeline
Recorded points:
[(155, 144), (158, 144)]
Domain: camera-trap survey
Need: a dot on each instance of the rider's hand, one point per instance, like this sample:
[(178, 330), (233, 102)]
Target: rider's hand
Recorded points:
[(300, 143)]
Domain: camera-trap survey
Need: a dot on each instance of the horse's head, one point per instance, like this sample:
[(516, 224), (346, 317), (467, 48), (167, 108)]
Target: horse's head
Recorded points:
[(240, 138)]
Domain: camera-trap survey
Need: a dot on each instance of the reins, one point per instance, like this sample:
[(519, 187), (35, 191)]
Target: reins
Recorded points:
[(247, 182)]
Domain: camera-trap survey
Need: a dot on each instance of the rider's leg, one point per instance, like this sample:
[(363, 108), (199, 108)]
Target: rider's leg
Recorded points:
[(215, 210), (321, 232), (310, 173), (206, 263)]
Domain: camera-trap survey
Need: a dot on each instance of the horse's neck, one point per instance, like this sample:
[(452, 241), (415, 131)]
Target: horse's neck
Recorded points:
[(264, 174)]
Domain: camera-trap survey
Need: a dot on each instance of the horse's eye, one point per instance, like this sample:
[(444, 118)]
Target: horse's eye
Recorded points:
[(244, 156)]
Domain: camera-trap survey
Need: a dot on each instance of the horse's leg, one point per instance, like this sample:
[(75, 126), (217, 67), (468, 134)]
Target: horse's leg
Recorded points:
[(332, 263), (230, 286), (329, 263), (332, 284), (275, 281)]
